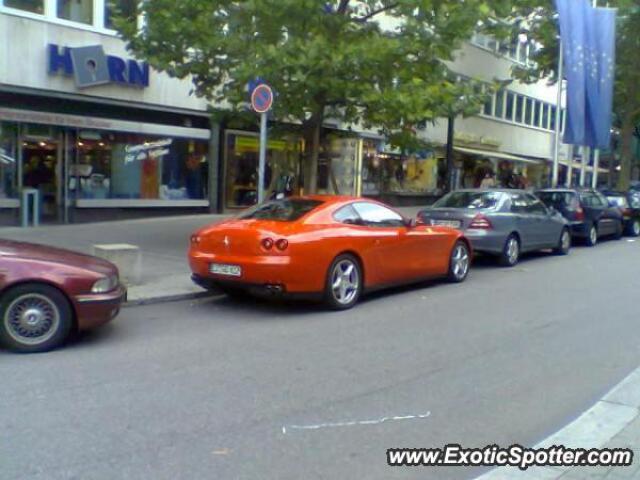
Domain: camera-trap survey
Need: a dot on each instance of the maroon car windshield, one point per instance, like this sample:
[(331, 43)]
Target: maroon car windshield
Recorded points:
[(286, 210)]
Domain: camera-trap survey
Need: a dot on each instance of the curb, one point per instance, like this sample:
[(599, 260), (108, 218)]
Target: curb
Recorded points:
[(170, 298), (594, 428)]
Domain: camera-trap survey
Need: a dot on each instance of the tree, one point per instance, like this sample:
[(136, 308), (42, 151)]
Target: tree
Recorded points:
[(536, 19), (372, 63)]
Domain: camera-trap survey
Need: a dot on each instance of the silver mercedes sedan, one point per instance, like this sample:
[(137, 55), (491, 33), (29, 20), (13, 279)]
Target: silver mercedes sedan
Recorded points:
[(501, 222)]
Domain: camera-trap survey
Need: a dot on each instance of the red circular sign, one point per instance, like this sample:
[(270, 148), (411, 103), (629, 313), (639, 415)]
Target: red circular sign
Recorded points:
[(262, 98)]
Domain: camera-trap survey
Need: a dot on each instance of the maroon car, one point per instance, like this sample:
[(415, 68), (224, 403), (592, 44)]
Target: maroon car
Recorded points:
[(46, 293)]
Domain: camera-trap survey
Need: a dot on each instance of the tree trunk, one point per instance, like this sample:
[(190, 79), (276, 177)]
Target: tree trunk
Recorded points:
[(626, 155)]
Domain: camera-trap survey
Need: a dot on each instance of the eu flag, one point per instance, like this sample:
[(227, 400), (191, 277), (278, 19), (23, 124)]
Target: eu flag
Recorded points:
[(588, 39)]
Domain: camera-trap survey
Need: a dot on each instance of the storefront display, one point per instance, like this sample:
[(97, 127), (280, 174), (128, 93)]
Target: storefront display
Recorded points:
[(241, 157), (8, 160), (73, 168), (386, 172), (115, 165)]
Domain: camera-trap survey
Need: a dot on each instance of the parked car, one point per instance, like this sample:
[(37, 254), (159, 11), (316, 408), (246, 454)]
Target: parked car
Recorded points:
[(629, 205), (46, 293), (588, 212), (335, 248), (501, 222)]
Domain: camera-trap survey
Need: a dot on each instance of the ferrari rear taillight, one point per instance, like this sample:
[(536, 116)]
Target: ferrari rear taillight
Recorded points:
[(480, 221), (267, 243), (282, 244)]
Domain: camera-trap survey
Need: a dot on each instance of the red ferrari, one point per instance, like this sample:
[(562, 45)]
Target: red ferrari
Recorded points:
[(46, 293), (334, 248)]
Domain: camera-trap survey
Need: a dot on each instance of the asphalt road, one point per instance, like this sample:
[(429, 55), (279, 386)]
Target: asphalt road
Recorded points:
[(202, 390)]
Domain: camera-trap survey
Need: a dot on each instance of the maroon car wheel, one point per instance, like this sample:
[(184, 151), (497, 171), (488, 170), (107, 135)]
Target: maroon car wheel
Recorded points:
[(34, 318)]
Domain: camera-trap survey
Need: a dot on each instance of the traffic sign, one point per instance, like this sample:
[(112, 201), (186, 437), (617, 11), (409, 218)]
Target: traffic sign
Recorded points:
[(262, 98)]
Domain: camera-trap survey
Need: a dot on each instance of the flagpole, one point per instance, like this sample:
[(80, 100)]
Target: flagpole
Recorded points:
[(556, 141), (596, 151)]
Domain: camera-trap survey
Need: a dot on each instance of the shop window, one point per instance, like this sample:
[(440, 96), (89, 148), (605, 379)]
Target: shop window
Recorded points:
[(120, 8), (80, 11), (241, 167), (509, 107), (133, 166), (33, 6), (8, 160), (500, 96), (519, 108)]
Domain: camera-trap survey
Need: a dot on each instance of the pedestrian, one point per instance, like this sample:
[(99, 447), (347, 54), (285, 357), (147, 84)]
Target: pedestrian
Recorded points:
[(488, 181)]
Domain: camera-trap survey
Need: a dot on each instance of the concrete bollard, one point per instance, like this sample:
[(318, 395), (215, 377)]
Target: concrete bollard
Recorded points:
[(128, 259)]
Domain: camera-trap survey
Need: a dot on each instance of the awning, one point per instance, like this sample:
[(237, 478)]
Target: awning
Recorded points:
[(498, 155)]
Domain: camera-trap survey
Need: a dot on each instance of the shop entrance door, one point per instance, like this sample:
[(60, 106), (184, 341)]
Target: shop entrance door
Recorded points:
[(42, 169)]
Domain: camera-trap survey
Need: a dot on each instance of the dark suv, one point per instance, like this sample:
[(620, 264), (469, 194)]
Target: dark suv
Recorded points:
[(588, 211)]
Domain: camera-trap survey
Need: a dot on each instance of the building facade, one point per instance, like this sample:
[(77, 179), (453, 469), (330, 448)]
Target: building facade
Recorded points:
[(100, 135), (97, 133)]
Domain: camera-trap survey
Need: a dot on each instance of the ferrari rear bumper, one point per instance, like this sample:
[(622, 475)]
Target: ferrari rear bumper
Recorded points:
[(270, 290)]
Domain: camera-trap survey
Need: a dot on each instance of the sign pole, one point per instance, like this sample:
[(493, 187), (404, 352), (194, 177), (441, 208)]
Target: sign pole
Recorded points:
[(263, 156), (261, 101)]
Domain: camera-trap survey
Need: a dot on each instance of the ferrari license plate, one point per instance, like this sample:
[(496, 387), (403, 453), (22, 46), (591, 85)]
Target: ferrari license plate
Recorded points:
[(225, 269), (447, 223)]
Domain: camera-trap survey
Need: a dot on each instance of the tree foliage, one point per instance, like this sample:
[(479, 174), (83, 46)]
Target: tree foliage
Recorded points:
[(375, 63)]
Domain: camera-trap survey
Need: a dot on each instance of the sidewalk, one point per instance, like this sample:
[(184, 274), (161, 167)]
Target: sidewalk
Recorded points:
[(163, 242), (613, 422)]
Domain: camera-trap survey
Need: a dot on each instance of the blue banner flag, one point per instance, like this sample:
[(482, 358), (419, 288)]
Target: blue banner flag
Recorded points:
[(588, 39)]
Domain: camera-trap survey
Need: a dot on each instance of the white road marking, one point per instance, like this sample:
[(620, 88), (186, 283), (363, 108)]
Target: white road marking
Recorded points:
[(352, 423)]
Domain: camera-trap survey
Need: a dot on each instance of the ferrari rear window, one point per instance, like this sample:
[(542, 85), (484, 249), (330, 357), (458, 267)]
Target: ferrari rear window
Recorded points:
[(286, 210), (483, 200)]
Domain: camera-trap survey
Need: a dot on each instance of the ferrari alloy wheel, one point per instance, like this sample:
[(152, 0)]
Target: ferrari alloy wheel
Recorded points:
[(344, 282), (564, 244), (459, 262), (511, 251), (34, 318), (592, 238)]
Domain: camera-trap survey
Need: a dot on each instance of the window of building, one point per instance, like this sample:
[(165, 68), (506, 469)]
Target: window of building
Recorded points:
[(487, 108), (500, 97), (519, 108), (509, 106), (537, 114), (133, 166), (552, 119), (528, 111), (80, 11), (122, 8), (545, 115), (33, 6)]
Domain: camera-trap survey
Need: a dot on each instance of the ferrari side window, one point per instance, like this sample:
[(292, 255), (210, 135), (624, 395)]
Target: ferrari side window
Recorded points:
[(375, 215), (347, 215)]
